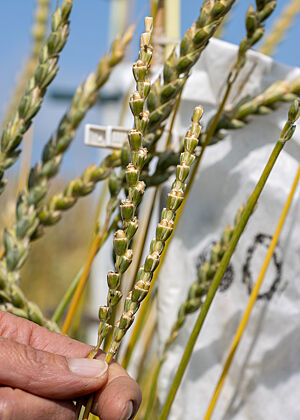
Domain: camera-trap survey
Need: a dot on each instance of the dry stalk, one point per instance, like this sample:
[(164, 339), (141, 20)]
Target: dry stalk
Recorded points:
[(253, 297)]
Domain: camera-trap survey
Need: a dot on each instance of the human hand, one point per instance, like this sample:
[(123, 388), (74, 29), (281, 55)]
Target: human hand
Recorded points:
[(42, 372)]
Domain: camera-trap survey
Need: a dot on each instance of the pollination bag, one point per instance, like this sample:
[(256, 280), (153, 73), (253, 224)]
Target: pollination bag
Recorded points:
[(264, 379)]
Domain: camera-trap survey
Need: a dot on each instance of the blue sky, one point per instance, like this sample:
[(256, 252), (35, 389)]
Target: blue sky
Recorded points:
[(87, 42)]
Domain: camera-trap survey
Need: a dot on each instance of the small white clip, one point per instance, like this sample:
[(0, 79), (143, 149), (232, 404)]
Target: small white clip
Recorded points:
[(108, 137), (113, 137)]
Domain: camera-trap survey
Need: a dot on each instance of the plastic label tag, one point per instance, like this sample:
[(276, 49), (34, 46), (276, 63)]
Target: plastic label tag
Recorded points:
[(113, 137), (109, 137)]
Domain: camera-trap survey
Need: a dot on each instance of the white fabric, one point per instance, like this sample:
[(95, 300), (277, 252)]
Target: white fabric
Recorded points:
[(264, 379)]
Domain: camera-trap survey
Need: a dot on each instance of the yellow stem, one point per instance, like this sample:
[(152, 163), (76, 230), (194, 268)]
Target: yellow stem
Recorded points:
[(252, 299), (84, 276), (88, 407)]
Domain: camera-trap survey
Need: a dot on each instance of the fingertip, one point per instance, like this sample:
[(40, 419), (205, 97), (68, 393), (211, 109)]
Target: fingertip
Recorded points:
[(119, 400)]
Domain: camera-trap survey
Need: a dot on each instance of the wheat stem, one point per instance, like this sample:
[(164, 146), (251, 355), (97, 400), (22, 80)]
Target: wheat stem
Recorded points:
[(252, 299), (196, 294), (175, 111), (286, 135)]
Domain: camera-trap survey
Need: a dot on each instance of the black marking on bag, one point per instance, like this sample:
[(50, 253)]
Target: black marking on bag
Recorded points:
[(247, 278)]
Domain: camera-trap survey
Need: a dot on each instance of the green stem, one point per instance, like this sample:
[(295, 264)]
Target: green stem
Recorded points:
[(66, 297), (152, 394), (218, 277)]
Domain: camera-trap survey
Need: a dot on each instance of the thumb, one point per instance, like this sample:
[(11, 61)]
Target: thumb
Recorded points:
[(47, 374)]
